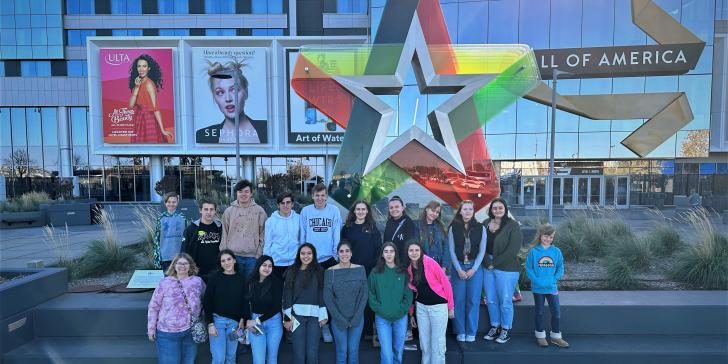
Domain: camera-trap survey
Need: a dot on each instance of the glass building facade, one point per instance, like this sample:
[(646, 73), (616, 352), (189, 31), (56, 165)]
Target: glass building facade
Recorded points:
[(593, 167)]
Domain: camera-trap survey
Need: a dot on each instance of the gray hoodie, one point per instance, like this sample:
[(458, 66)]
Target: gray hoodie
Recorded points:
[(322, 228)]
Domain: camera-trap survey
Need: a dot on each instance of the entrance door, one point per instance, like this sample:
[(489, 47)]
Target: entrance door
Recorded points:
[(617, 191), (533, 192), (588, 191)]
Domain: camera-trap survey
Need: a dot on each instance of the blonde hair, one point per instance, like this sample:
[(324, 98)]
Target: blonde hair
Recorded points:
[(233, 66), (545, 229), (172, 272)]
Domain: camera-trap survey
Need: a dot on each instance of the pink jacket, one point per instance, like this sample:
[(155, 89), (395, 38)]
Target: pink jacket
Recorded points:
[(436, 278), (167, 310)]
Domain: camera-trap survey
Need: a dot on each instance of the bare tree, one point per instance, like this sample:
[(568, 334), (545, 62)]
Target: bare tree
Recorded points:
[(19, 160)]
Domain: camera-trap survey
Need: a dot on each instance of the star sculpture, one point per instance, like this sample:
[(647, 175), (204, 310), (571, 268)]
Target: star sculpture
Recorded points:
[(343, 83)]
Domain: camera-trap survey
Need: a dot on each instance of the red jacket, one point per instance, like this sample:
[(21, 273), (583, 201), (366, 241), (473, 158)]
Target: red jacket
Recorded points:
[(436, 278)]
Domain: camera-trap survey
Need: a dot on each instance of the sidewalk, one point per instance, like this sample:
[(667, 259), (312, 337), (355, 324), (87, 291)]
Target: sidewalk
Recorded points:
[(22, 245)]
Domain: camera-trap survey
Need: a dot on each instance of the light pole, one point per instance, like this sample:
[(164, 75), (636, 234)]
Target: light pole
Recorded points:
[(550, 184), (225, 75)]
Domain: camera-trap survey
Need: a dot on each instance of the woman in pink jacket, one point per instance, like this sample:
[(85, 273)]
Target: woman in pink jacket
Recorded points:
[(434, 303), (174, 303)]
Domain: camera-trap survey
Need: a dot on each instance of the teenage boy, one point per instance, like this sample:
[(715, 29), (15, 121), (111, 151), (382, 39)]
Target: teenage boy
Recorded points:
[(243, 228), (202, 239), (282, 231), (321, 226)]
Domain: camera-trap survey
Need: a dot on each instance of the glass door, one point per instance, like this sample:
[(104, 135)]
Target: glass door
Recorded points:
[(617, 191)]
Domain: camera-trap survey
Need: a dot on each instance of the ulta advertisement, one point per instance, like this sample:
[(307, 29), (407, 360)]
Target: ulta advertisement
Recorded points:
[(215, 72), (137, 95), (306, 124)]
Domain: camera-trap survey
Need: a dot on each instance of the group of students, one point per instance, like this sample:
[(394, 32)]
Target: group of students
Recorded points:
[(310, 273)]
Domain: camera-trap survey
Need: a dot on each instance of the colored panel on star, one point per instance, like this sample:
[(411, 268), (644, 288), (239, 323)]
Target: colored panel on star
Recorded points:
[(511, 84), (381, 181), (352, 60)]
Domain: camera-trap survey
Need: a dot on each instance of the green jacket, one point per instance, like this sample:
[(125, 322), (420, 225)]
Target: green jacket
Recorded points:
[(506, 246), (389, 295)]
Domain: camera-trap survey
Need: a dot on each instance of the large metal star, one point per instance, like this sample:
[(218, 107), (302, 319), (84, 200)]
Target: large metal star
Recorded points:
[(484, 79)]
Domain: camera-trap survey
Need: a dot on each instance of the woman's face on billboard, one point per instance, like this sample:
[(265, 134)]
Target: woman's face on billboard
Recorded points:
[(224, 94), (142, 67)]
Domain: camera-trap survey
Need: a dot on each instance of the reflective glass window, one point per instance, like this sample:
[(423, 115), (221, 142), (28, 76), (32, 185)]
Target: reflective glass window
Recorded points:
[(534, 23), (472, 29), (617, 149), (17, 115), (266, 32), (502, 146), (76, 68), (502, 24), (625, 32), (598, 23), (503, 122), (532, 117), (32, 120), (79, 126), (566, 145), (705, 62), (566, 122), (2, 69), (75, 7), (55, 36), (531, 146), (53, 6), (21, 6), (697, 88), (275, 6), (126, 7), (219, 6), (50, 126), (566, 24), (174, 32), (595, 86), (697, 16), (220, 32), (349, 6), (173, 6), (594, 145), (39, 37), (5, 130)]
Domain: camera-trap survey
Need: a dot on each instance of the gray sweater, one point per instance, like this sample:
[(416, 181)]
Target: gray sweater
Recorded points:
[(345, 295)]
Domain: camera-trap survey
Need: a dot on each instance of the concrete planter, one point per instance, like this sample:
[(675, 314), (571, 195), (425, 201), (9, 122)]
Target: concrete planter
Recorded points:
[(68, 213), (19, 296), (22, 219)]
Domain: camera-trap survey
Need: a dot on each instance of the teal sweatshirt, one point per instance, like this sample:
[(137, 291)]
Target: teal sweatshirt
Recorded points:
[(544, 268), (389, 295)]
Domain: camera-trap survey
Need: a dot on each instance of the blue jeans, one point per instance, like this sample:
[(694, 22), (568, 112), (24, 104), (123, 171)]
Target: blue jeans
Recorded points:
[(499, 288), (347, 342), (467, 301), (246, 265), (391, 336), (175, 347), (554, 307), (222, 347), (265, 347)]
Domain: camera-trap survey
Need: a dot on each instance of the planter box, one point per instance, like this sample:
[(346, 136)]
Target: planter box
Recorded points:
[(22, 219), (68, 213), (19, 296)]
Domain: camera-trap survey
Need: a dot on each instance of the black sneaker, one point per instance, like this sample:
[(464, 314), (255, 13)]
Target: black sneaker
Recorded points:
[(503, 337), (492, 333)]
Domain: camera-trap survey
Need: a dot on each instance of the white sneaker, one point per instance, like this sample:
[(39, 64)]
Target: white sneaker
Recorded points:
[(460, 338), (470, 338)]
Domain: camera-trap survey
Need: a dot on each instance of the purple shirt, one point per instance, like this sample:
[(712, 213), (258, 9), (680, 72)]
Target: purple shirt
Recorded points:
[(167, 310)]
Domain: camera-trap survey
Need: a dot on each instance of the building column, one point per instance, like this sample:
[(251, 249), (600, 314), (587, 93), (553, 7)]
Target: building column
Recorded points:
[(156, 173), (292, 14), (329, 167), (249, 168), (64, 145)]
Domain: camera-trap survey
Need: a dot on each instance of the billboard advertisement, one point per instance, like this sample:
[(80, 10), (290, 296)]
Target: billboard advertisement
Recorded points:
[(137, 95), (306, 124), (213, 102)]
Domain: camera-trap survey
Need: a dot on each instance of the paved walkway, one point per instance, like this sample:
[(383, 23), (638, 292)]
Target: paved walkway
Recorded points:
[(22, 245)]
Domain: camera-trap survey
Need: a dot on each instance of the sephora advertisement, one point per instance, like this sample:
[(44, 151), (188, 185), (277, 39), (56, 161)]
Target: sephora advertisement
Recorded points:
[(215, 73), (307, 125), (137, 95)]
